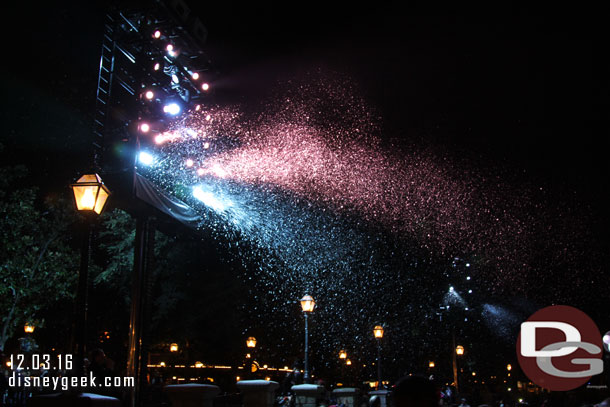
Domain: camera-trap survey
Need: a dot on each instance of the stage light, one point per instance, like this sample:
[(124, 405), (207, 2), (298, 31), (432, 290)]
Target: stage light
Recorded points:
[(169, 47), (146, 158), (175, 78), (144, 127), (172, 108), (149, 94), (200, 171), (197, 108), (206, 145), (189, 163), (157, 66), (159, 139), (157, 34), (205, 86), (195, 75)]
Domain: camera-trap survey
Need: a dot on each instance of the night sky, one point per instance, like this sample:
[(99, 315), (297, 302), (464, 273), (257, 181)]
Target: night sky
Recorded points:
[(506, 83), (511, 89)]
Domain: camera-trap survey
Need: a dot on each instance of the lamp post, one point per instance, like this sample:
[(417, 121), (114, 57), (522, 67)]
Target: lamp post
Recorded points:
[(459, 351), (378, 333), (250, 360), (90, 197), (307, 304)]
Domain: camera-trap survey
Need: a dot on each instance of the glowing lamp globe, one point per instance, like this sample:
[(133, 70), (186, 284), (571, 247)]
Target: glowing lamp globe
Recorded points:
[(307, 303), (343, 355), (509, 367), (90, 194), (251, 342), (378, 331), (459, 350), (173, 347), (431, 364), (29, 328), (348, 362)]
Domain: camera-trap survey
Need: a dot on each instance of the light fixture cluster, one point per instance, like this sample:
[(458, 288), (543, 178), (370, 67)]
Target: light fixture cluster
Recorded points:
[(176, 79)]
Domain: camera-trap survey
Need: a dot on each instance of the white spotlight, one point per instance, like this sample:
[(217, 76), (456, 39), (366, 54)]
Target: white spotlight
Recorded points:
[(195, 75), (149, 94), (157, 34), (144, 127), (205, 86), (146, 158), (172, 108)]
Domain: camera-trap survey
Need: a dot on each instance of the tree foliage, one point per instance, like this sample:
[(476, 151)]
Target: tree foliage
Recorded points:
[(37, 265)]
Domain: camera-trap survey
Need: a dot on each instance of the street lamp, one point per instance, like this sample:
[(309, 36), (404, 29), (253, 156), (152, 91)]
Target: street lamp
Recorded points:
[(29, 328), (90, 198), (459, 351), (378, 334), (90, 194), (173, 347), (342, 354), (307, 304), (251, 342), (431, 364), (509, 367)]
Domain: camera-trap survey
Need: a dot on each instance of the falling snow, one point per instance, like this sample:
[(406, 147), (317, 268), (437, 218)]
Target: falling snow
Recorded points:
[(315, 200)]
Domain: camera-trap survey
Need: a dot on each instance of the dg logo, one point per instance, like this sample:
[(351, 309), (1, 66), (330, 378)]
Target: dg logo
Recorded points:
[(560, 348)]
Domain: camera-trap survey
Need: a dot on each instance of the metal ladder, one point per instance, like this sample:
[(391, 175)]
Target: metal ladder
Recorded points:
[(104, 86)]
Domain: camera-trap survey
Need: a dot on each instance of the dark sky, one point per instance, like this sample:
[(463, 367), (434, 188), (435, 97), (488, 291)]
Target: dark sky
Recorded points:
[(508, 83)]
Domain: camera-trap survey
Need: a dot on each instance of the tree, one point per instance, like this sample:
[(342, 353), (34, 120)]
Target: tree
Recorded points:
[(37, 265)]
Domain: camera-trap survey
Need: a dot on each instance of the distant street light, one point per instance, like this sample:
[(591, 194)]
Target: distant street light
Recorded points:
[(90, 198), (342, 354), (459, 351), (307, 304), (173, 347), (29, 328), (348, 362), (431, 364), (509, 367), (378, 331), (251, 342), (378, 334)]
